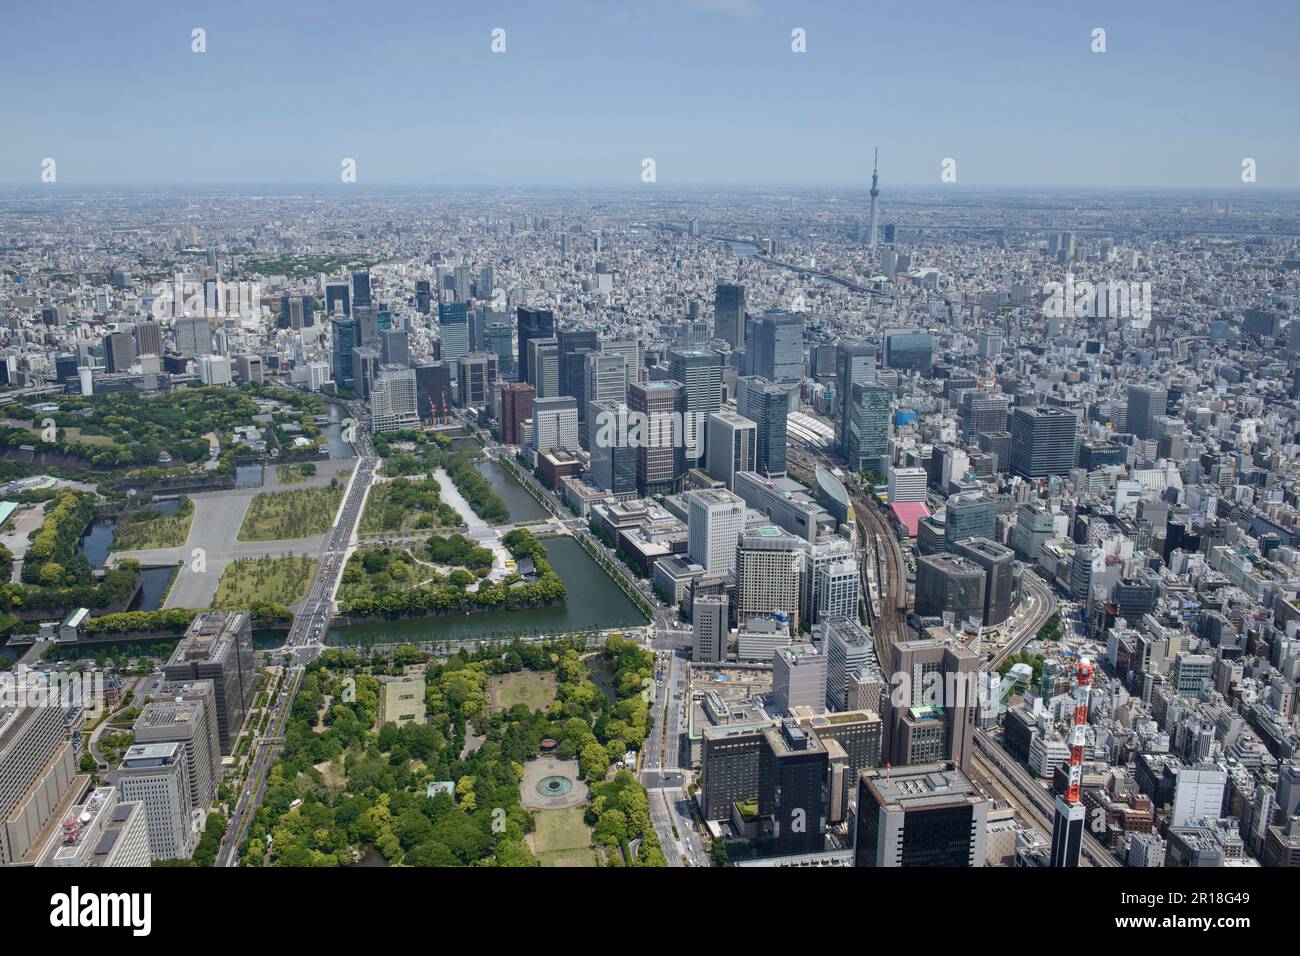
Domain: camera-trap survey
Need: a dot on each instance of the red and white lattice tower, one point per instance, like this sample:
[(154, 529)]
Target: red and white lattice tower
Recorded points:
[(1067, 823), (1078, 736)]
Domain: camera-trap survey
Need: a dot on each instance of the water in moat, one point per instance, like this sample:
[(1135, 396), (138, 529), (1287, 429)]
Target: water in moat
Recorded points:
[(594, 602), (522, 505)]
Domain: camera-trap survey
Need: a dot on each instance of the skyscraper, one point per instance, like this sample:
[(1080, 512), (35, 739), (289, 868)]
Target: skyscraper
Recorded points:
[(715, 519), (338, 299), (792, 790), (998, 563), (767, 405), (119, 351), (855, 362), (516, 408), (700, 372), (394, 347), (574, 346), (343, 339), (218, 646), (932, 716), (555, 423), (544, 367), (949, 584), (768, 565), (154, 775), (661, 451), (533, 324), (148, 338), (476, 373), (732, 443), (1145, 402), (971, 514), (983, 412), (777, 350), (868, 432), (729, 314), (613, 457), (453, 327), (798, 677), (909, 351), (193, 336), (1043, 441), (709, 620), (924, 815), (606, 381), (361, 289)]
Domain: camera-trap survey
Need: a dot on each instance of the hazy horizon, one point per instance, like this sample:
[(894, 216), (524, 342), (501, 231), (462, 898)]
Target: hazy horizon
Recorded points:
[(711, 90)]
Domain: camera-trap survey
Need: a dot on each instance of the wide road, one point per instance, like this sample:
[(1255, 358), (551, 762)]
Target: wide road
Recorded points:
[(301, 648)]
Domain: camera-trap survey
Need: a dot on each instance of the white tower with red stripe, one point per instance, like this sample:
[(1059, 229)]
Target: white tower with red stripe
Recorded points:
[(1067, 827)]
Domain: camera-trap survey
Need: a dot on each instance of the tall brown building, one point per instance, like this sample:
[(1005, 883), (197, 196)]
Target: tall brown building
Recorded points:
[(932, 704), (516, 408)]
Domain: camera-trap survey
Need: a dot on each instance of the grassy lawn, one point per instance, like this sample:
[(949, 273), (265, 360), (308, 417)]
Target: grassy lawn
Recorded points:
[(152, 530), (296, 473), (534, 690), (277, 515), (405, 504), (274, 580), (562, 838)]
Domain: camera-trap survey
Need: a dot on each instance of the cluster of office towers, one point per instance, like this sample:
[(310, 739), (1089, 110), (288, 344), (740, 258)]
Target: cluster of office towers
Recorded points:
[(155, 802)]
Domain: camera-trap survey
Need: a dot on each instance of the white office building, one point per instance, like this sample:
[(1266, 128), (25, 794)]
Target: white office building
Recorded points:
[(906, 484), (154, 774), (1198, 793), (848, 649), (215, 370), (731, 442), (715, 519), (555, 423), (393, 399)]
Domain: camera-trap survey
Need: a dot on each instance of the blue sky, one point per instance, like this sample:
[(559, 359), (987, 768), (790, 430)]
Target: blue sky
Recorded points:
[(710, 89)]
